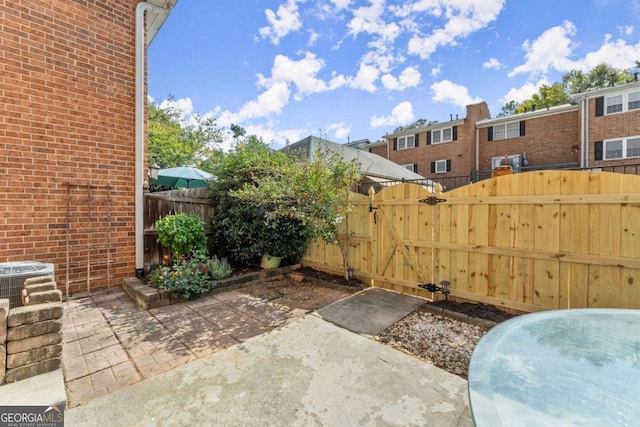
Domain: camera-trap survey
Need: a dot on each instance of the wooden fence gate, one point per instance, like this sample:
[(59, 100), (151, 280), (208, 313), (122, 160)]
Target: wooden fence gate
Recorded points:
[(528, 242)]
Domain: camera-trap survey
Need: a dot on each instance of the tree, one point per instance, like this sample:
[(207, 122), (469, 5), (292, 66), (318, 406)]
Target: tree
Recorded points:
[(602, 75), (317, 192), (244, 231), (420, 123), (172, 142), (547, 96), (573, 82), (508, 108)]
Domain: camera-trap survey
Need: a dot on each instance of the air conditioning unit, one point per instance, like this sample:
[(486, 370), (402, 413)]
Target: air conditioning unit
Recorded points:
[(13, 275)]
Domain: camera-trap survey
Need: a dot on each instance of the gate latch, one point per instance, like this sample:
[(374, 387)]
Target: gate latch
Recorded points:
[(433, 200)]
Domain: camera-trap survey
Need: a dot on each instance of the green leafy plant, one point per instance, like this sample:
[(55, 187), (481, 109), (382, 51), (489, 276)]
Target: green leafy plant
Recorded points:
[(190, 277), (219, 268), (316, 193), (244, 231), (181, 234)]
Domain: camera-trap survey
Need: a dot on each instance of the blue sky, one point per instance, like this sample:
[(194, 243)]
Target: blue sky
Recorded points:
[(348, 70)]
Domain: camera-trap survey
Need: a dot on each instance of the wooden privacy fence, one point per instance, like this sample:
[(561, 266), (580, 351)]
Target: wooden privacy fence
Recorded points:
[(195, 201), (528, 242)]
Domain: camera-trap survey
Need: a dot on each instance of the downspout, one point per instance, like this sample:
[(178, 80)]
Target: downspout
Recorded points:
[(582, 130), (586, 132), (141, 10), (477, 151)]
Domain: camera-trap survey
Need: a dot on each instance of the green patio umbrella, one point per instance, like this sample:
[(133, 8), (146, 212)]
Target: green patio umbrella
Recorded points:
[(182, 177)]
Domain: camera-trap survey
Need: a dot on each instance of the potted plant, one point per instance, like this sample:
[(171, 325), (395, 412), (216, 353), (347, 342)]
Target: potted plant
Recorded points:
[(281, 239)]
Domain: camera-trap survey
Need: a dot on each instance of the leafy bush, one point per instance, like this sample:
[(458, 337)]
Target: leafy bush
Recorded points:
[(181, 234), (244, 231), (219, 268), (190, 276)]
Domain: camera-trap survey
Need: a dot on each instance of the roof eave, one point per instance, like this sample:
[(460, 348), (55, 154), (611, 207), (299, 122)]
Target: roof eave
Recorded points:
[(155, 19)]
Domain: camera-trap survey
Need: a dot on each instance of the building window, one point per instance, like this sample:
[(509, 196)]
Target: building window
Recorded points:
[(614, 104), (442, 135), (513, 159), (618, 103), (506, 130), (613, 149), (633, 147), (412, 167), (441, 166), (405, 142), (634, 101), (616, 149)]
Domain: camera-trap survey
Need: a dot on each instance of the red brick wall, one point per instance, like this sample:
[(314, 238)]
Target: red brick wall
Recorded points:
[(380, 150), (461, 152), (548, 140), (67, 86), (608, 127)]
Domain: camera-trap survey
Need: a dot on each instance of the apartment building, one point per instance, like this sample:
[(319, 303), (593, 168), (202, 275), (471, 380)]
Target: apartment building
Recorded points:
[(598, 129)]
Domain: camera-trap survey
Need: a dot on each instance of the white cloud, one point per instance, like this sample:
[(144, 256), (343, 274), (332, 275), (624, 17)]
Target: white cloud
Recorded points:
[(409, 77), (401, 114), (341, 4), (271, 101), (313, 38), (382, 54), (523, 92), (554, 48), (616, 53), (435, 71), (183, 105), (340, 130), (492, 63), (282, 22), (463, 17), (626, 30), (276, 138), (448, 92), (551, 50), (302, 73), (368, 19), (365, 78)]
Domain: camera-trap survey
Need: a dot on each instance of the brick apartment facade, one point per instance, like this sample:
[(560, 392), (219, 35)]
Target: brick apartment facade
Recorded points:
[(67, 137), (600, 128)]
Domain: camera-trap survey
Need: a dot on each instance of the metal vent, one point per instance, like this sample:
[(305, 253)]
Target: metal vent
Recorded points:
[(13, 275)]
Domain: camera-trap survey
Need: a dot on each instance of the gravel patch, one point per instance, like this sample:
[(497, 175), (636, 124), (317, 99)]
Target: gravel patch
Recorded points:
[(445, 342)]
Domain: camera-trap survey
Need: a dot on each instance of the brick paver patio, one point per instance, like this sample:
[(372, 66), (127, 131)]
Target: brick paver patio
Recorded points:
[(110, 343)]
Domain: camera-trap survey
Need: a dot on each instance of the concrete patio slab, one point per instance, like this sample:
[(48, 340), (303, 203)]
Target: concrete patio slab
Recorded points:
[(42, 390), (308, 372), (371, 311)]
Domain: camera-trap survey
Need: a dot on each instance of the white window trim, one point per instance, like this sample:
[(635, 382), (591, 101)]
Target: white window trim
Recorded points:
[(506, 128), (514, 159), (408, 166), (624, 148), (441, 162), (406, 146), (441, 132), (625, 102)]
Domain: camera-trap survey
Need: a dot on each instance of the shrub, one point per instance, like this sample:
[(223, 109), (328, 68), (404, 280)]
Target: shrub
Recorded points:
[(244, 230), (248, 232), (181, 234), (190, 277), (219, 268)]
